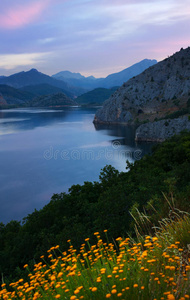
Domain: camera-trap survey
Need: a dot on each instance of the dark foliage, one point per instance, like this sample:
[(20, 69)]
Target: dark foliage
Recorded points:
[(95, 206), (96, 96)]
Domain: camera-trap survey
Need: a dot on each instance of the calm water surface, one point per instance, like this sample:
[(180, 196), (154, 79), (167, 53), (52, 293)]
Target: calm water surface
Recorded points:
[(43, 152)]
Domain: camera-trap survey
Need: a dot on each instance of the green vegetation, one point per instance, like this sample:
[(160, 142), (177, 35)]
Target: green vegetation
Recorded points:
[(42, 89), (179, 113), (155, 267), (117, 202), (96, 96), (15, 96), (59, 99)]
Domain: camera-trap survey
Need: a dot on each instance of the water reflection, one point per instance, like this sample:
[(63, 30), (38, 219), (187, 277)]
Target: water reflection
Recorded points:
[(126, 136), (27, 119)]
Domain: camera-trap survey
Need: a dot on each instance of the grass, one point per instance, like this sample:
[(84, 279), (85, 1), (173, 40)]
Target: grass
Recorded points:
[(158, 267)]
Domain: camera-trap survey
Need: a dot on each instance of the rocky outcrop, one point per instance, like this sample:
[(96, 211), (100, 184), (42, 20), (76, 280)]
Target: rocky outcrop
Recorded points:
[(161, 130), (113, 112), (158, 91)]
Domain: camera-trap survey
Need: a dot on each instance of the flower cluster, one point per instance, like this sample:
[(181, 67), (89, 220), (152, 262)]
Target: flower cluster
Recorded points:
[(123, 269)]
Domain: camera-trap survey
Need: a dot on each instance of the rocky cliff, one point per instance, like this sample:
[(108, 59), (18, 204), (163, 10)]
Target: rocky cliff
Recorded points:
[(157, 92), (161, 130)]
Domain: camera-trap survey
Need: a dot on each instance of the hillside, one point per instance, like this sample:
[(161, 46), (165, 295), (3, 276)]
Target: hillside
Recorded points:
[(153, 266), (56, 100), (2, 100), (30, 95), (116, 79), (96, 96), (42, 89), (156, 93), (14, 96)]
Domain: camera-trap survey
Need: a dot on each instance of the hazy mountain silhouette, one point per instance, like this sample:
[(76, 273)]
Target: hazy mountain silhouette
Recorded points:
[(34, 77), (116, 79)]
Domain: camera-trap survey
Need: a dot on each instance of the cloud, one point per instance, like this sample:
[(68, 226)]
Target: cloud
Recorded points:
[(21, 15), (47, 40), (126, 19), (106, 21), (11, 61), (94, 37)]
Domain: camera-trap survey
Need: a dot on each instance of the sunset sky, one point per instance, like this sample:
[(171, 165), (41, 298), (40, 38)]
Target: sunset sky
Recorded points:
[(93, 37)]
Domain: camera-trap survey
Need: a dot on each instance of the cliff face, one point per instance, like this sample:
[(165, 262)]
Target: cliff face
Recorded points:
[(161, 130), (160, 90)]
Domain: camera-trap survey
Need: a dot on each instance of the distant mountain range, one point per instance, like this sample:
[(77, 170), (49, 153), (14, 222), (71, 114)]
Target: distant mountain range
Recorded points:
[(115, 79), (25, 86), (33, 78)]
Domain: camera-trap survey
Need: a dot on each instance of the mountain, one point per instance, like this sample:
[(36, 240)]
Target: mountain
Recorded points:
[(96, 96), (56, 100), (41, 89), (116, 79), (14, 96), (24, 95), (68, 75), (26, 85), (34, 77), (31, 77), (76, 79), (161, 91)]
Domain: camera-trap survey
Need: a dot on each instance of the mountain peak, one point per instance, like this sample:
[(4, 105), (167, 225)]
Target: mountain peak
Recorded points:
[(68, 75), (33, 70), (117, 79)]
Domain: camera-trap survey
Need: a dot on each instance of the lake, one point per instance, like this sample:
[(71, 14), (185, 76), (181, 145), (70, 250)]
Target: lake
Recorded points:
[(45, 151)]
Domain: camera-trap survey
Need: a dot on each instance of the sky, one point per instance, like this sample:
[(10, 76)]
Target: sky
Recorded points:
[(92, 37)]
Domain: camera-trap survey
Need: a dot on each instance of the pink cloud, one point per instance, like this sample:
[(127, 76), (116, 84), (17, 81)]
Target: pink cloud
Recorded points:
[(17, 17)]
